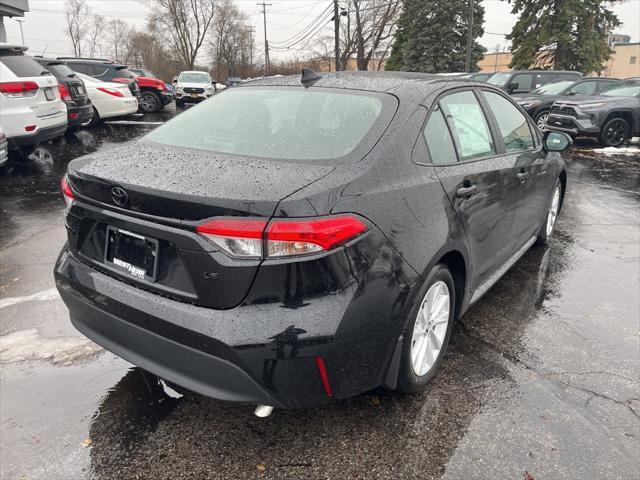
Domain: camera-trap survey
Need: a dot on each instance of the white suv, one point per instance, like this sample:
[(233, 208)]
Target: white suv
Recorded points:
[(193, 87), (31, 110)]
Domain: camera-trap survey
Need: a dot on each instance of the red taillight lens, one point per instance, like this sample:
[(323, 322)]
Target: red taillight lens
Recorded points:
[(111, 91), (64, 92), (246, 238), (19, 89), (67, 193)]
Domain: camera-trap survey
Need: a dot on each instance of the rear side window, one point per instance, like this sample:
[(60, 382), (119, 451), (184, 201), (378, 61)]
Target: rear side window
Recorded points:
[(21, 65), (281, 123), (439, 142), (469, 127), (513, 126)]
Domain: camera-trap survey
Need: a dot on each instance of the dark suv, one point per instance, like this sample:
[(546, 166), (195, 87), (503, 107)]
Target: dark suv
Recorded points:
[(523, 81), (104, 70), (288, 258), (72, 91), (613, 116), (538, 102)]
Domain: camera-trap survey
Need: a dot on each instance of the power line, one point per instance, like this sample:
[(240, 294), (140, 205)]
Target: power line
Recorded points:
[(306, 29)]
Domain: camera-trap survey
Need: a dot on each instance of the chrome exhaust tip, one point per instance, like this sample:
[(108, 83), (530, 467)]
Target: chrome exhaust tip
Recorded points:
[(263, 411)]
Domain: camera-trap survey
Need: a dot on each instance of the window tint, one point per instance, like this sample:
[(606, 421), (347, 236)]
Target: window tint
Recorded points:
[(21, 65), (436, 134), (292, 124), (468, 125), (524, 81), (513, 125), (60, 70), (80, 67), (583, 88)]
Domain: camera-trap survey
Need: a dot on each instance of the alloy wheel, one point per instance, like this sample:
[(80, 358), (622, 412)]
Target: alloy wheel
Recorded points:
[(148, 102), (616, 133), (430, 328), (553, 211), (542, 121)]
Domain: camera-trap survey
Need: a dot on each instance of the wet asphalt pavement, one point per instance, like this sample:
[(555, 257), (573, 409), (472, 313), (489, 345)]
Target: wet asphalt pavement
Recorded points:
[(541, 379)]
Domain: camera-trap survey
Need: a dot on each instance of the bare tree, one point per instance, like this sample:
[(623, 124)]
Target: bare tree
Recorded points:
[(77, 24), (95, 33), (117, 37), (230, 43), (183, 25)]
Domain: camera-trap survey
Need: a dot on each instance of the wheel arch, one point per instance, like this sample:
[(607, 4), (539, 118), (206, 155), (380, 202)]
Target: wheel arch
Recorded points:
[(626, 115)]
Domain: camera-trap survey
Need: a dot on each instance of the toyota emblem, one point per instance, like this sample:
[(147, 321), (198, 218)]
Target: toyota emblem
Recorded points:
[(119, 196)]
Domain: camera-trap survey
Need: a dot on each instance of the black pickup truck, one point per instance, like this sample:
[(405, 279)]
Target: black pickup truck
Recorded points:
[(613, 116)]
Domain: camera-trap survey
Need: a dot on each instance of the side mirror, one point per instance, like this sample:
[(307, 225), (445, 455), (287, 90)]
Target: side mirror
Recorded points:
[(513, 87), (556, 141)]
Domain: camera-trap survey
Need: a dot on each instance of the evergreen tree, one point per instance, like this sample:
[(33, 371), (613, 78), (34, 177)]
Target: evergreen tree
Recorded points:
[(432, 36), (562, 34)]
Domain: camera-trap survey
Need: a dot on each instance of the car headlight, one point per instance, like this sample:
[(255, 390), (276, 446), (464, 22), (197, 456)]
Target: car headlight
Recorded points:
[(587, 106), (532, 103)]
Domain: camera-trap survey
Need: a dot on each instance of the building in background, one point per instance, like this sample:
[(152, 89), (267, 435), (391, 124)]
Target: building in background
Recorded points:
[(624, 62), (614, 38), (11, 8)]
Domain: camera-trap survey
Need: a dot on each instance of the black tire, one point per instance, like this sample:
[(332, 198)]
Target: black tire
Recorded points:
[(615, 132), (543, 234), (408, 381), (150, 102), (95, 119), (539, 116)]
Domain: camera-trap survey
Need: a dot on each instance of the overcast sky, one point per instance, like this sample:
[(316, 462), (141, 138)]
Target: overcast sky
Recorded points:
[(44, 24)]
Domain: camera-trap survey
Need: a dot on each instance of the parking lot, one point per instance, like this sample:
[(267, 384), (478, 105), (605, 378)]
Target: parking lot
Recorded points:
[(540, 381)]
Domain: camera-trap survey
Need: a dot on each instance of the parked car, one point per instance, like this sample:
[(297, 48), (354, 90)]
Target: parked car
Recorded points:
[(4, 148), (109, 99), (149, 101), (480, 76), (233, 81), (317, 243), (523, 81), (613, 116), (193, 87), (72, 91), (31, 110), (104, 70), (537, 103)]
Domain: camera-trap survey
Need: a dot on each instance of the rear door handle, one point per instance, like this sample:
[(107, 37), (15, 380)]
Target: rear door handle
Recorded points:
[(466, 192), (522, 176)]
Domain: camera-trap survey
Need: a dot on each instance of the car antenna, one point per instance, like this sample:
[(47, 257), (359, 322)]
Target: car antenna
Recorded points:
[(309, 77)]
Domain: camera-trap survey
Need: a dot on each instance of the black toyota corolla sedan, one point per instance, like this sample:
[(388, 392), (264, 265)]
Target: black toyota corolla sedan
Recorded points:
[(290, 242)]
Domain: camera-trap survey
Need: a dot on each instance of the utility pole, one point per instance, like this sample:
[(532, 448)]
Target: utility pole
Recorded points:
[(467, 63), (336, 27), (251, 29), (266, 42)]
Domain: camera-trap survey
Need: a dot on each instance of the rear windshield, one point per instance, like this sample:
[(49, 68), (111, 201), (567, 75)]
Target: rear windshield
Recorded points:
[(194, 78), (60, 70), (499, 78), (21, 65), (283, 123)]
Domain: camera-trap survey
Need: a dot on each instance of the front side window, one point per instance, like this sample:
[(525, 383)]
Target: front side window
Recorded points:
[(439, 142), (281, 123), (522, 81), (469, 127), (513, 125)]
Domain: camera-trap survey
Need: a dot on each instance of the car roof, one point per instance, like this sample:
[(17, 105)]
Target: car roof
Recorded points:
[(49, 61)]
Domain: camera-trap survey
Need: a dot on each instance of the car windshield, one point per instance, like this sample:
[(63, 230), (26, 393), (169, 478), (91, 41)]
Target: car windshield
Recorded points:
[(554, 88), (499, 78), (623, 89), (281, 123), (191, 77)]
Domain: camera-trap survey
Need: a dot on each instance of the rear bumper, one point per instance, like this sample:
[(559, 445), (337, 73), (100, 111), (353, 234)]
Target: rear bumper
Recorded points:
[(262, 352), (42, 135), (82, 115)]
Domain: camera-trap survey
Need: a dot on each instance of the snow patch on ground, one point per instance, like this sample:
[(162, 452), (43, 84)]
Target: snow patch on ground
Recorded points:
[(26, 345), (50, 294), (618, 151)]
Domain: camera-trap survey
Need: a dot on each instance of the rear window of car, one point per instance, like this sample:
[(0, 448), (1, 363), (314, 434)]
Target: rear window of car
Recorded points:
[(20, 64), (60, 70), (281, 123)]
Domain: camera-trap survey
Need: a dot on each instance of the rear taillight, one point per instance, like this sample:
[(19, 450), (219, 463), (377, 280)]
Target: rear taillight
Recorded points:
[(19, 89), (111, 91), (64, 93), (255, 238), (67, 193)]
